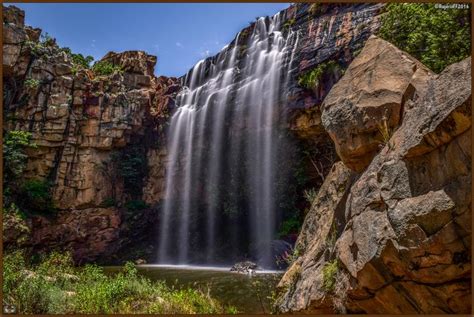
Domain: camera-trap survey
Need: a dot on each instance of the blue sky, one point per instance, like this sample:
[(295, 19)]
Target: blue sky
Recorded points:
[(180, 34)]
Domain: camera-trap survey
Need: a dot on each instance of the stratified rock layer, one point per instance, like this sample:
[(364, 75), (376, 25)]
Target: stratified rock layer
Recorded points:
[(79, 121), (402, 240)]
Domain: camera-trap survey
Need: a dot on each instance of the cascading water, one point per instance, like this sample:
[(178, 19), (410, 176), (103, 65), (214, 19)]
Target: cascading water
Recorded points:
[(220, 198)]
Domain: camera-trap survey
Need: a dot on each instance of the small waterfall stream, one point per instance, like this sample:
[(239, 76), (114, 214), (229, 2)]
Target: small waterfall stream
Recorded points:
[(223, 140)]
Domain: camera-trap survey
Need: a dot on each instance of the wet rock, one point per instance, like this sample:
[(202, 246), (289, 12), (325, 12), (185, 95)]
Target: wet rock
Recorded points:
[(246, 267)]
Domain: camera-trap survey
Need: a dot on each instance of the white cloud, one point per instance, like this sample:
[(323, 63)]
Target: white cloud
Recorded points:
[(178, 44)]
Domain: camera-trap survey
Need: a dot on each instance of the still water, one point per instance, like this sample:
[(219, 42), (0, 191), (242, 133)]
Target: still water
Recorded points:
[(249, 294)]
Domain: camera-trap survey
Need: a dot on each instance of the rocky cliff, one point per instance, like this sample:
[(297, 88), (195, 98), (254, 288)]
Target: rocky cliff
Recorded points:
[(84, 126), (100, 137), (390, 229)]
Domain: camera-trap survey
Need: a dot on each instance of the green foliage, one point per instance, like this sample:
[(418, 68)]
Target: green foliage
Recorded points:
[(105, 68), (36, 48), (136, 205), (14, 156), (310, 79), (55, 286), (131, 166), (310, 194), (330, 270), (290, 225), (31, 83), (46, 39), (79, 60), (35, 196), (287, 25), (293, 256), (437, 37)]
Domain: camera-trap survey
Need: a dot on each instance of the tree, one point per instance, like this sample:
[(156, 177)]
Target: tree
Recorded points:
[(436, 36)]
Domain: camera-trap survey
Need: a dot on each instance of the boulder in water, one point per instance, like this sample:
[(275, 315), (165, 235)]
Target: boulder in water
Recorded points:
[(246, 267)]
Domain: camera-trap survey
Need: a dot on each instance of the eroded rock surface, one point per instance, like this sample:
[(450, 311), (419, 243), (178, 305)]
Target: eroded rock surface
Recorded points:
[(369, 98), (81, 122), (403, 239)]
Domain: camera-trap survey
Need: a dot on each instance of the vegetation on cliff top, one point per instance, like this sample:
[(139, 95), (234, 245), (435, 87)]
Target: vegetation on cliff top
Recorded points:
[(54, 285), (436, 36)]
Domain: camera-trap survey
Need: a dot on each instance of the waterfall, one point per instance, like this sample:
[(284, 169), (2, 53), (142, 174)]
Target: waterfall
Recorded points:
[(220, 200)]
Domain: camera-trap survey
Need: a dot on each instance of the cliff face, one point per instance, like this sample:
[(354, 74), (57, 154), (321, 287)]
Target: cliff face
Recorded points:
[(390, 230), (81, 123), (86, 125)]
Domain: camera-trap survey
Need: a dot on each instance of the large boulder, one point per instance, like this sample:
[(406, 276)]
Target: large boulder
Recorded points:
[(369, 99), (403, 244)]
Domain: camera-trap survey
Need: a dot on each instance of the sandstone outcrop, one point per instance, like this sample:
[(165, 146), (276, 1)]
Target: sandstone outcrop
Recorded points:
[(80, 122), (369, 98), (400, 240)]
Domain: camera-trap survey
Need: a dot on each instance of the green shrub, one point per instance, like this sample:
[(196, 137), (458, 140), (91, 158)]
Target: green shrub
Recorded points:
[(310, 194), (105, 68), (311, 79), (55, 286), (291, 225), (288, 24), (135, 205), (131, 166), (36, 196), (330, 270), (31, 83), (78, 60), (437, 37), (14, 156)]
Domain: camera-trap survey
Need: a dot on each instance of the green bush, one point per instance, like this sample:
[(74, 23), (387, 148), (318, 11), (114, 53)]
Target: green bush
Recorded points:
[(55, 286), (36, 196), (31, 83), (14, 156), (105, 68), (288, 24), (291, 225), (330, 270), (310, 195), (135, 205), (131, 166), (437, 37), (310, 79)]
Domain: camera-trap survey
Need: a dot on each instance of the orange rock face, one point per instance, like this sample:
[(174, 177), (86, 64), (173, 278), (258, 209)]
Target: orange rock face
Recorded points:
[(371, 94), (399, 234), (78, 121)]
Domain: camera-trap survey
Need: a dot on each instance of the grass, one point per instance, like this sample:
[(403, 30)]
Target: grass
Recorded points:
[(330, 270), (385, 132), (310, 79), (55, 286)]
